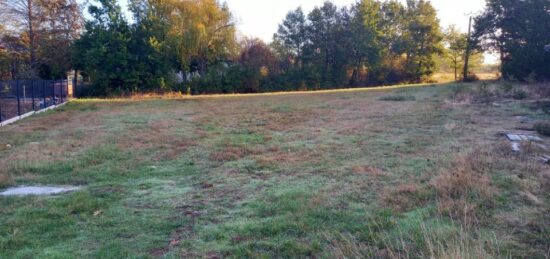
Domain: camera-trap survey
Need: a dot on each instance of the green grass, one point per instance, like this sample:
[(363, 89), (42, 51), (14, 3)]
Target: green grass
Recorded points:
[(397, 98), (332, 175)]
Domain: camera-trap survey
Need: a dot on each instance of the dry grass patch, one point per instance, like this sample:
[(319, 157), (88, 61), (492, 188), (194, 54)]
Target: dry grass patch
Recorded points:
[(230, 154), (6, 179), (464, 189), (405, 197), (368, 170)]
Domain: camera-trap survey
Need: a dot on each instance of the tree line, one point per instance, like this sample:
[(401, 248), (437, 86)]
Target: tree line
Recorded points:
[(193, 46)]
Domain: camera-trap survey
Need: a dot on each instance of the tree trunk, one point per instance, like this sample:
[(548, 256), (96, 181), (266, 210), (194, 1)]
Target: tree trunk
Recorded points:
[(456, 71)]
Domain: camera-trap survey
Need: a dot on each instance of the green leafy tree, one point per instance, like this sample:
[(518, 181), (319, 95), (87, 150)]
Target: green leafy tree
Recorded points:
[(423, 39), (518, 30), (152, 52), (291, 36), (322, 32), (456, 43), (392, 64), (366, 35), (102, 52)]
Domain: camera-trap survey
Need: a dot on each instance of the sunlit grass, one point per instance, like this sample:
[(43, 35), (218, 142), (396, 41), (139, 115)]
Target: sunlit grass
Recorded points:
[(333, 174)]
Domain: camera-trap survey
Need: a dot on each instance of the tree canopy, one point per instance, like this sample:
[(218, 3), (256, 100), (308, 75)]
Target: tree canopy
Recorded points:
[(193, 46), (518, 31)]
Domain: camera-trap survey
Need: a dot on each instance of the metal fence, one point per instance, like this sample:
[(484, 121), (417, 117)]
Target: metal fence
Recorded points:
[(18, 97)]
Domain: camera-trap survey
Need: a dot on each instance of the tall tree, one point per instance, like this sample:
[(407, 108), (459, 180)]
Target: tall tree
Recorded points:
[(258, 62), (150, 46), (394, 42), (24, 16), (203, 32), (456, 49), (102, 52), (366, 34), (61, 24), (423, 39), (46, 29), (518, 30), (322, 34), (291, 35)]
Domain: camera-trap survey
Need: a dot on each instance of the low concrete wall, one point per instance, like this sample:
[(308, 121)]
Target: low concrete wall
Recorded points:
[(16, 118)]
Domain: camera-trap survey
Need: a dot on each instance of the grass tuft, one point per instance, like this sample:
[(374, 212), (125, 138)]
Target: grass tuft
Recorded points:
[(397, 98), (543, 128)]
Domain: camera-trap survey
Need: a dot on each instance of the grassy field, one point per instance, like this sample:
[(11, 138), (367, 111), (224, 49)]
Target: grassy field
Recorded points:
[(410, 172)]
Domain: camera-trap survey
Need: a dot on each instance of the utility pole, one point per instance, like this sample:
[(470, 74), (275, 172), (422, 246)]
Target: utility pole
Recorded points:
[(468, 49)]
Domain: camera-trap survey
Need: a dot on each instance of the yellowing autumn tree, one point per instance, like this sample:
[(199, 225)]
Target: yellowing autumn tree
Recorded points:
[(202, 32)]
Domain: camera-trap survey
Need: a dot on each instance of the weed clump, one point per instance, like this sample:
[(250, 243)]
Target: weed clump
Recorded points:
[(465, 189), (397, 98), (483, 94), (543, 128)]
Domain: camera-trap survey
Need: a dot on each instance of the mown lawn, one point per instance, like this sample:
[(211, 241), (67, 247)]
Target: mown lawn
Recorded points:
[(411, 172)]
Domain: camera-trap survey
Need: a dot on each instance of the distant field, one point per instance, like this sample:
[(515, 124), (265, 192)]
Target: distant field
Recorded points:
[(412, 172), (449, 77)]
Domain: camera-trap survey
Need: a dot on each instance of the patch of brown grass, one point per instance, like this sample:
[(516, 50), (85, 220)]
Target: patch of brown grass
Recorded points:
[(6, 179), (159, 137), (368, 170), (230, 154), (465, 188), (405, 197)]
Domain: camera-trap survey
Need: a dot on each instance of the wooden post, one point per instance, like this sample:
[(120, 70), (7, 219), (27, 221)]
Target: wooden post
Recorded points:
[(467, 57)]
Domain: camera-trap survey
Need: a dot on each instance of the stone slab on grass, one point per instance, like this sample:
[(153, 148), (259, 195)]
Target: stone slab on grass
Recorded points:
[(38, 190)]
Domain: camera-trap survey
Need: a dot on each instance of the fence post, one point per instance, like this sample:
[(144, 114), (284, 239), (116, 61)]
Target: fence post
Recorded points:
[(44, 94), (32, 95), (0, 109), (18, 98), (61, 91), (53, 93)]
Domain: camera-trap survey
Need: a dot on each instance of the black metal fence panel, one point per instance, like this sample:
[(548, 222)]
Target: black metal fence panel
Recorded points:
[(18, 97)]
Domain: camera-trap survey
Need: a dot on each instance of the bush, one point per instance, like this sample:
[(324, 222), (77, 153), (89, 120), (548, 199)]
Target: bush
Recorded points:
[(543, 128), (397, 98), (506, 87), (471, 78)]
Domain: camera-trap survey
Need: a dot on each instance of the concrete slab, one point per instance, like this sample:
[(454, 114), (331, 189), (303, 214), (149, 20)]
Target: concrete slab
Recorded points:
[(522, 137), (38, 190)]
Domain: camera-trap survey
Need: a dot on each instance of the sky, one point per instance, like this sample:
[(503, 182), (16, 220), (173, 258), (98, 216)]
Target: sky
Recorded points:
[(260, 18)]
